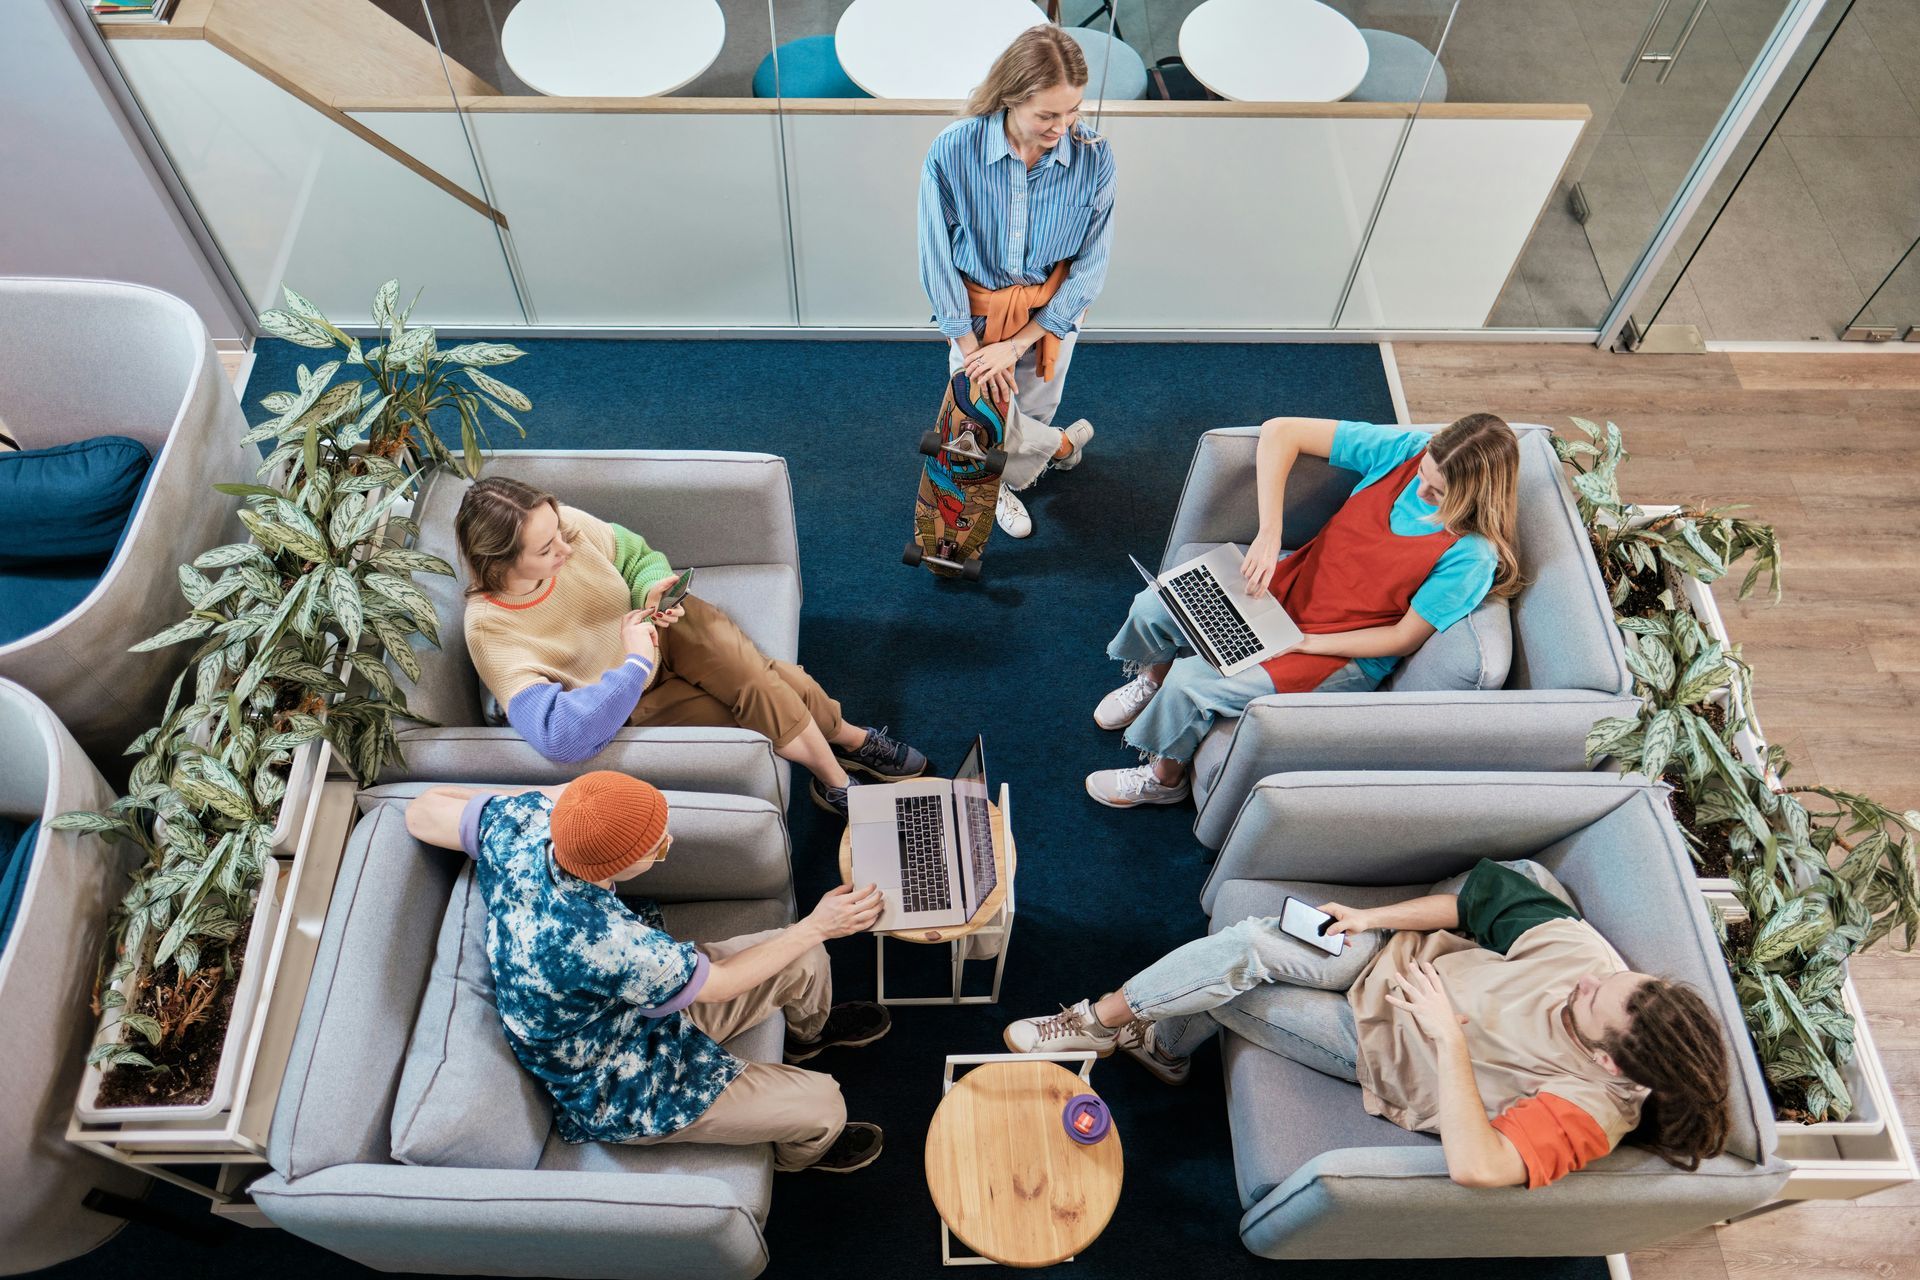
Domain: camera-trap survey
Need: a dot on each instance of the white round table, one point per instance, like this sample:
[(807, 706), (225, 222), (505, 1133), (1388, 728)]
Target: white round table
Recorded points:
[(612, 48), (1273, 50), (927, 48)]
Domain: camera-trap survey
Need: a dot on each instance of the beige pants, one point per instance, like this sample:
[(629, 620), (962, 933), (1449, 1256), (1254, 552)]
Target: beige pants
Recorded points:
[(712, 675), (801, 1112)]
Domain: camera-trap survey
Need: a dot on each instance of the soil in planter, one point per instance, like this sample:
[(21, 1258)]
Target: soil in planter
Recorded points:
[(1713, 856), (1643, 592), (1789, 1097), (187, 1067)]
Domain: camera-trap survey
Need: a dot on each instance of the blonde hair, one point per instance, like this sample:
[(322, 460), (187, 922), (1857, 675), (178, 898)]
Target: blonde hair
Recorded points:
[(1480, 458), (487, 528), (1040, 58)]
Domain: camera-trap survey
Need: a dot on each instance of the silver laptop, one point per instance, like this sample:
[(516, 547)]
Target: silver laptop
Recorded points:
[(1223, 624), (928, 844)]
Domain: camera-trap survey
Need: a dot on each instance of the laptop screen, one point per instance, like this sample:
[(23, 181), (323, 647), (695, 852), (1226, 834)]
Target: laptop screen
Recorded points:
[(975, 825)]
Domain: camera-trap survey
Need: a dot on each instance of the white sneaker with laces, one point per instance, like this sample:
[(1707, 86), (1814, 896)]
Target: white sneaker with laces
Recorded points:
[(1071, 1030), (1138, 1041), (1125, 788), (1011, 514), (1123, 706), (1078, 435)]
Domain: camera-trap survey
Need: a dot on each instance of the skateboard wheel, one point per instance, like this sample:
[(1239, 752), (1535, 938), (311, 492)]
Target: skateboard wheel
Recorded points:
[(912, 555), (971, 571), (930, 443), (996, 461)]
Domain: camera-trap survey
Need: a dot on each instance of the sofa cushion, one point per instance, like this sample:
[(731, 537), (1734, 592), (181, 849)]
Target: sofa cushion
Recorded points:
[(463, 1100), (68, 502), (40, 595), (1474, 653)]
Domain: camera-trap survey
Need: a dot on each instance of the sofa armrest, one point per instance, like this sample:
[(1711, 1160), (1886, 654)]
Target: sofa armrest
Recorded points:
[(1332, 1207), (1483, 729), (734, 761), (1405, 827), (511, 1222), (1219, 502)]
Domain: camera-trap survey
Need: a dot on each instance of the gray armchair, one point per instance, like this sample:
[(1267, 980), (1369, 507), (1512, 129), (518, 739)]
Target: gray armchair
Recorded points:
[(1316, 1174), (728, 515), (162, 385), (1567, 669), (46, 979), (630, 1212)]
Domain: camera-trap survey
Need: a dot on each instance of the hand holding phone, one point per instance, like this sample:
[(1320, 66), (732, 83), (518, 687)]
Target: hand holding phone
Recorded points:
[(1309, 925), (676, 592)]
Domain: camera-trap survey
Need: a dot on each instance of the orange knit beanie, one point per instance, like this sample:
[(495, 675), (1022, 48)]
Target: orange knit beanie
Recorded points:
[(605, 822)]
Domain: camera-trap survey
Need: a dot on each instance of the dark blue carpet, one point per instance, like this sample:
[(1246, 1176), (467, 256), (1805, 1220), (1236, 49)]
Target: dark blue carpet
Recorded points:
[(1019, 657)]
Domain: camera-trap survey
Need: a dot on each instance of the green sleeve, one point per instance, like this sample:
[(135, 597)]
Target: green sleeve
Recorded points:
[(638, 563), (1498, 904)]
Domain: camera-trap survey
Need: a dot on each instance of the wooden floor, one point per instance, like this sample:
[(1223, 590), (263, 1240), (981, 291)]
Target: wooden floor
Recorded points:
[(1825, 448)]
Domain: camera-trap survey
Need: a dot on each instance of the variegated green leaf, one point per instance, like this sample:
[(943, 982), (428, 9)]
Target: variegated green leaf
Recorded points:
[(484, 353), (295, 329), (191, 629)]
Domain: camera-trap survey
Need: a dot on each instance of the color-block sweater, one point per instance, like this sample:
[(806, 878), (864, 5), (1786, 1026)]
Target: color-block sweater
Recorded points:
[(554, 657)]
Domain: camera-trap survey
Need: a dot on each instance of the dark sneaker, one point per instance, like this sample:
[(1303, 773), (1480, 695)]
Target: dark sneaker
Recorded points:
[(848, 1026), (832, 799), (857, 1147), (881, 758)]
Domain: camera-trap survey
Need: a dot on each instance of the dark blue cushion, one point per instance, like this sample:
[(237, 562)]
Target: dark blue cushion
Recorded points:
[(13, 874), (33, 597), (69, 502), (809, 68)]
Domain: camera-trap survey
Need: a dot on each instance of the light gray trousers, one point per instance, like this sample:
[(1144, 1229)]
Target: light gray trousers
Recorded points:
[(1031, 436)]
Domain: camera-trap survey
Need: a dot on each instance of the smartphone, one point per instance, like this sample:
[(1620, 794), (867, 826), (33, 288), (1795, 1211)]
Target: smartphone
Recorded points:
[(677, 592), (1298, 920)]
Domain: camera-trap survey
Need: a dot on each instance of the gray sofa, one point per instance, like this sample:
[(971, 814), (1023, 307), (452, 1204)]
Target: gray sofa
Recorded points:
[(1317, 1176), (545, 1208), (46, 979), (87, 358), (728, 515), (1488, 693)]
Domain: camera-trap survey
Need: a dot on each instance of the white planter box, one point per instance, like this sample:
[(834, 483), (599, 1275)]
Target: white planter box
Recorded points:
[(253, 963)]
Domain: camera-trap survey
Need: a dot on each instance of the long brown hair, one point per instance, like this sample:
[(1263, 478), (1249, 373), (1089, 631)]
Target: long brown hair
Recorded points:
[(1480, 459), (488, 526), (1673, 1046), (1040, 58)]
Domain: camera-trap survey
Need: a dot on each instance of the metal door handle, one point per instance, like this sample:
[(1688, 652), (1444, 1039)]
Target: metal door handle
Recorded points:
[(1666, 60)]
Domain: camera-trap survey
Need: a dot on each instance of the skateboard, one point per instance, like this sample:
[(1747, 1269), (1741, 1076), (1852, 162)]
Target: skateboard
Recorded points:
[(959, 483)]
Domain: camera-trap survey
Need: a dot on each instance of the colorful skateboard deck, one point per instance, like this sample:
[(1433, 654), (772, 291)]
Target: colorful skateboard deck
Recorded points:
[(959, 484)]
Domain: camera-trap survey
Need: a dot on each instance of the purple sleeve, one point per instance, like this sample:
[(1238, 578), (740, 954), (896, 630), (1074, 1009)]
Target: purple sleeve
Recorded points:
[(685, 995), (570, 725), (470, 824)]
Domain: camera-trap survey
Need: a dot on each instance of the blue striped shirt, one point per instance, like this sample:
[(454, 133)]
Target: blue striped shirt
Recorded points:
[(985, 216)]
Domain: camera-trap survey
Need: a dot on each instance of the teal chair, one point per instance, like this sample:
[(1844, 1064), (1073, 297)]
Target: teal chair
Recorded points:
[(1396, 70), (809, 68), (1125, 79)]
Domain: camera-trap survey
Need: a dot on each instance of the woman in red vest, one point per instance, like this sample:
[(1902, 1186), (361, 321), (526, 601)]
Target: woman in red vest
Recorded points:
[(1424, 537)]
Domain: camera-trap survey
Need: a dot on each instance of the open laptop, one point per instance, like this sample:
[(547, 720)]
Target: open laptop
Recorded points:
[(928, 844), (1229, 628)]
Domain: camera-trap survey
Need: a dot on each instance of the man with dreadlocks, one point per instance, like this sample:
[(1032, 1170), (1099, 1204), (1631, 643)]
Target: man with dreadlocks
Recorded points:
[(1487, 1012)]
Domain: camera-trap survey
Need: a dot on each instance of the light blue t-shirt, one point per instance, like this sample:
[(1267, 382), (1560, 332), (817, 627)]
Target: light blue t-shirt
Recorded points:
[(1464, 573)]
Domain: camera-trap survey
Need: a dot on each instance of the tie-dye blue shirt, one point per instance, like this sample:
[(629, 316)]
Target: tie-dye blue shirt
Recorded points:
[(591, 993)]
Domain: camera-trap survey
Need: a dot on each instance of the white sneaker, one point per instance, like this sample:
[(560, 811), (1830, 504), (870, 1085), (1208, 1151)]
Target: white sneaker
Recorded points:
[(1123, 706), (1125, 788), (1068, 1031), (1138, 1041), (1011, 514), (1078, 434)]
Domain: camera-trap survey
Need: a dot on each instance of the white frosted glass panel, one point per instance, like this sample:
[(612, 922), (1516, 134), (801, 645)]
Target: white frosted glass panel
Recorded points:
[(1464, 199), (294, 196), (644, 219)]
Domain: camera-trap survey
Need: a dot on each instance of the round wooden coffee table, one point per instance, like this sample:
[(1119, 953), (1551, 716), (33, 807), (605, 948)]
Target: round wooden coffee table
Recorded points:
[(1006, 1178)]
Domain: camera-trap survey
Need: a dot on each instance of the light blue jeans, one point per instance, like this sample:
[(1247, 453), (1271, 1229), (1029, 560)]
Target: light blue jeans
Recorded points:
[(1253, 979), (1193, 692)]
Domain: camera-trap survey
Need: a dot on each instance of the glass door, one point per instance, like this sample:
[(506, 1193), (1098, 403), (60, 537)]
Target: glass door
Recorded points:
[(1892, 313)]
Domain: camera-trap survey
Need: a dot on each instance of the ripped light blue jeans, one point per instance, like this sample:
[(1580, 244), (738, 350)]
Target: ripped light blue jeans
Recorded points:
[(1253, 979), (1193, 692)]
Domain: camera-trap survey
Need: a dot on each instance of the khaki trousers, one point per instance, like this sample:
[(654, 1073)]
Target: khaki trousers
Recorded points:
[(711, 675), (801, 1112)]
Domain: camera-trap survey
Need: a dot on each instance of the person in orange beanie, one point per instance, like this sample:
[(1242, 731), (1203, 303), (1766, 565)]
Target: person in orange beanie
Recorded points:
[(623, 1023)]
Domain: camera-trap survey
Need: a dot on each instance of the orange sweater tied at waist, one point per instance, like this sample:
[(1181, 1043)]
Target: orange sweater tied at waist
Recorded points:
[(1008, 310)]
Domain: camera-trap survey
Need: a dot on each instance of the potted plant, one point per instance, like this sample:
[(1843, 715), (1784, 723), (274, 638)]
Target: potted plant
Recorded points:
[(294, 636)]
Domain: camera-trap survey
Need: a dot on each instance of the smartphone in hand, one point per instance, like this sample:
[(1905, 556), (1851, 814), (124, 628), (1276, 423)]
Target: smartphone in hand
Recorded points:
[(1309, 925), (677, 592)]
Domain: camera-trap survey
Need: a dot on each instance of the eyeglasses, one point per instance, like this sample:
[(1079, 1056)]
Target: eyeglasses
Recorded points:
[(666, 843)]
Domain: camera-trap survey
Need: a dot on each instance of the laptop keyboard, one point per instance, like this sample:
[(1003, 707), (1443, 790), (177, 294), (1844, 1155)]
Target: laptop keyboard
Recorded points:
[(980, 835), (923, 854), (1214, 614)]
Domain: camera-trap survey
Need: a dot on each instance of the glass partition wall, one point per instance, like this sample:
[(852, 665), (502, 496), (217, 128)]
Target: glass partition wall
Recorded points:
[(1359, 166)]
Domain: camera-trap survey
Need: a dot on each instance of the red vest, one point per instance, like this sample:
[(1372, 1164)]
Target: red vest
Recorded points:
[(1356, 572)]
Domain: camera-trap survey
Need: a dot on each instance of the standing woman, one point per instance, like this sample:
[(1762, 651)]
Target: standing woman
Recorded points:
[(1016, 219)]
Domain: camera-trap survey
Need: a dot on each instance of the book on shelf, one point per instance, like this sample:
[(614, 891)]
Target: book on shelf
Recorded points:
[(130, 10)]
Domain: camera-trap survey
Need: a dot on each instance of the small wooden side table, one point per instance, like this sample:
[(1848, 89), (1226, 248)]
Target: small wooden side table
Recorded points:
[(1005, 1177), (992, 923)]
